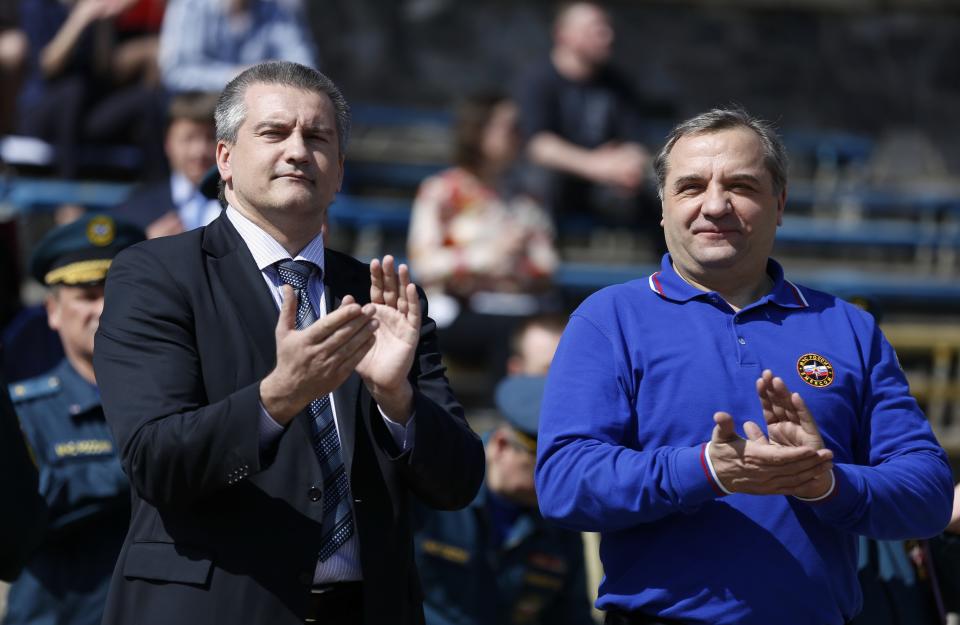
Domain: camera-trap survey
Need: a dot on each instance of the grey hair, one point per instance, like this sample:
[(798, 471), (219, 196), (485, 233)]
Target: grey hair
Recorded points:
[(232, 110), (774, 154)]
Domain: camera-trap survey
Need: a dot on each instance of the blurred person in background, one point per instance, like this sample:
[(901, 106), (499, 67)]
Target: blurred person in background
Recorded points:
[(32, 346), (945, 551), (582, 124), (497, 562), (896, 584), (14, 49), (176, 204), (484, 252), (533, 344), (205, 43), (84, 84), (87, 495)]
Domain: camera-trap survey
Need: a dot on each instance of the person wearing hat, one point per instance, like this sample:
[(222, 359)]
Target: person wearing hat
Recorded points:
[(86, 492), (497, 562)]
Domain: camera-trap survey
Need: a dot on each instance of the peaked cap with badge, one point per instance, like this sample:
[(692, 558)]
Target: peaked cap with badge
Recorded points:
[(518, 400), (86, 492), (79, 253)]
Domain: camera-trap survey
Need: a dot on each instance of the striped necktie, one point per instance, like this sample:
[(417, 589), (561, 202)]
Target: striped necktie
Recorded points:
[(337, 525)]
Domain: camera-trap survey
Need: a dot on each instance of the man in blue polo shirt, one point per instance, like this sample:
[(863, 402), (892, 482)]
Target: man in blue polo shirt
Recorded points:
[(654, 378)]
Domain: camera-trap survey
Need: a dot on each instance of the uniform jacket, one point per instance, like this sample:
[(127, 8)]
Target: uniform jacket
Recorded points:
[(21, 523), (87, 499), (536, 577), (219, 533)]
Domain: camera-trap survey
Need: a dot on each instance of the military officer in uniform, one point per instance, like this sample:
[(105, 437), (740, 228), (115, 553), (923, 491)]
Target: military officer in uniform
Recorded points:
[(86, 493), (497, 562)]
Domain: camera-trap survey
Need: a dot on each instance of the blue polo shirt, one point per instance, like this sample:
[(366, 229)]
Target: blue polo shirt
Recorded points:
[(628, 406)]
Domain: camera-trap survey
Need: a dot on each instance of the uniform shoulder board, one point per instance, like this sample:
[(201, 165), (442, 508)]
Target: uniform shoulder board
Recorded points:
[(34, 388)]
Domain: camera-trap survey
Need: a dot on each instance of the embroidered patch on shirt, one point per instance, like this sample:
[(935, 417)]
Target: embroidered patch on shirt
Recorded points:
[(93, 447), (815, 370)]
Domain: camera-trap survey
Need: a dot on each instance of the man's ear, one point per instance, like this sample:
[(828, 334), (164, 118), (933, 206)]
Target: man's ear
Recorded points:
[(781, 204), (342, 160), (497, 443), (224, 151), (52, 304)]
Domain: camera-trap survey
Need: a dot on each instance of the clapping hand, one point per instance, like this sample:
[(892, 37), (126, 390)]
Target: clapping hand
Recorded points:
[(396, 308), (792, 461)]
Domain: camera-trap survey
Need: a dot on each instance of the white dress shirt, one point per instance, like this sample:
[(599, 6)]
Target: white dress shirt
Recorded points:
[(193, 208), (344, 564)]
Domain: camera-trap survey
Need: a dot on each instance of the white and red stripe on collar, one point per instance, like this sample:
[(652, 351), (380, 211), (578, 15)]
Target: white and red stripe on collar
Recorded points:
[(657, 288)]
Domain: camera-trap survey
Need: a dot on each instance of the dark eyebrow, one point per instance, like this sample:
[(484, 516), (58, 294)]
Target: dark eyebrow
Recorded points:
[(270, 123), (746, 178), (321, 130), (684, 180)]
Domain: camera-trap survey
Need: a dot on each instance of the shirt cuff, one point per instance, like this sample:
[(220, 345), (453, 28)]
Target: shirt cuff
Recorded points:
[(403, 435), (827, 495), (270, 430), (713, 472), (691, 475)]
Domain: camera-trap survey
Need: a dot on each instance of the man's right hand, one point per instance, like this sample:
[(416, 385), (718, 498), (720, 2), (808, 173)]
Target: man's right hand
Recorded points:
[(757, 467), (314, 361)]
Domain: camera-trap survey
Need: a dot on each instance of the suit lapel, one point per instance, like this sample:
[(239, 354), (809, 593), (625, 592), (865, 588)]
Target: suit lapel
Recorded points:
[(231, 262), (335, 288)]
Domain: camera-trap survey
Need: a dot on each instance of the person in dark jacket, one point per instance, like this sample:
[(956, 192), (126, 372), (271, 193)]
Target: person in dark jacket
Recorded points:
[(497, 562), (86, 494)]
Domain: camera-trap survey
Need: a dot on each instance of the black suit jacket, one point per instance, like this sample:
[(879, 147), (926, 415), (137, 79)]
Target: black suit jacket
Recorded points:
[(220, 534), (149, 202)]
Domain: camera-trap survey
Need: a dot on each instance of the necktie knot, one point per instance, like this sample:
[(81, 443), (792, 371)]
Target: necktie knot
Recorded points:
[(296, 273)]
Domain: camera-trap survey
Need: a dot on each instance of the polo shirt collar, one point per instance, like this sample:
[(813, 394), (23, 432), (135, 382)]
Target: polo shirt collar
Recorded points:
[(668, 284)]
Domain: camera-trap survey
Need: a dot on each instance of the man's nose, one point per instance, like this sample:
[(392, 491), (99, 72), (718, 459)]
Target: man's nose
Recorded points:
[(296, 148), (716, 202), (97, 308)]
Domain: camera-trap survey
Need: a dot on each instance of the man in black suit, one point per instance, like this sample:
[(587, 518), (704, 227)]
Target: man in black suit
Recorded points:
[(252, 503), (174, 204)]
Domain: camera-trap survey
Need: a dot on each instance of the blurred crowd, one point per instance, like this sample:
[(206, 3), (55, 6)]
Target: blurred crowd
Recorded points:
[(564, 140)]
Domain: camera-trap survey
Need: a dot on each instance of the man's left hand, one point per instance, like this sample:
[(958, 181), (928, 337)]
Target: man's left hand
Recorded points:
[(386, 366), (789, 424)]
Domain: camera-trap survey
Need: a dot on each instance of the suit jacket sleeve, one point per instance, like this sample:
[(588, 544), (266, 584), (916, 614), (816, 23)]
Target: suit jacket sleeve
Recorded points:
[(445, 466), (175, 447)]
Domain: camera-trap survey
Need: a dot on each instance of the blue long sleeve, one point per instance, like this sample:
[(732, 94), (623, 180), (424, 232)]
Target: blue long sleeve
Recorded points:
[(590, 476)]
